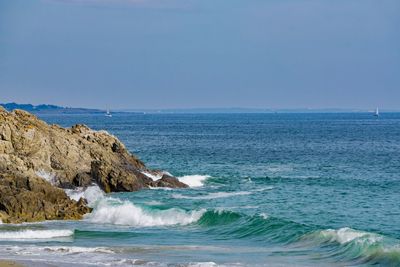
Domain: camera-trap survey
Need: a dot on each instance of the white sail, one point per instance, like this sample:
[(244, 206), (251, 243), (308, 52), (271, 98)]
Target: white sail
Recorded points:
[(376, 112)]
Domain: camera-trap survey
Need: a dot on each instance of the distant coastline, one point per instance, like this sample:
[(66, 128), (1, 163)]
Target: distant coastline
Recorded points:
[(252, 110), (54, 109), (49, 109)]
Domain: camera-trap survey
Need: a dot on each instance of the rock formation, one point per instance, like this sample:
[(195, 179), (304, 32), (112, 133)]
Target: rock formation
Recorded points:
[(37, 160)]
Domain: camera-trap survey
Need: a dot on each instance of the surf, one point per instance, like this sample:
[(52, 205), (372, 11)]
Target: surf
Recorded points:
[(34, 234), (118, 212)]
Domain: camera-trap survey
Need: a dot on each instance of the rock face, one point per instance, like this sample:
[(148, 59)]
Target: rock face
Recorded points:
[(37, 159), (29, 198)]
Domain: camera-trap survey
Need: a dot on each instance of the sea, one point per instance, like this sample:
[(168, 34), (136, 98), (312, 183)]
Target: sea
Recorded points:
[(265, 190)]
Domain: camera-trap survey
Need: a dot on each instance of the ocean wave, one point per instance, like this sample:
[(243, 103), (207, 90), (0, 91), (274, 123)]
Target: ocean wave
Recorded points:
[(212, 195), (202, 264), (92, 194), (74, 250), (194, 180), (357, 246), (219, 217), (39, 250), (161, 188), (34, 234), (342, 236), (113, 211), (346, 235)]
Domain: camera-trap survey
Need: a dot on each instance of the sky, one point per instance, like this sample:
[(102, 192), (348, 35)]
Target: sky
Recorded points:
[(135, 54)]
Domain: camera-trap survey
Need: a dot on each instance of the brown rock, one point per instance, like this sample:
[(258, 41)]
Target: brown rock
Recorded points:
[(169, 181), (30, 198)]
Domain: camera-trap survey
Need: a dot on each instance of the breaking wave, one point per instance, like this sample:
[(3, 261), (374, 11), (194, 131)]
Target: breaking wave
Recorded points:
[(358, 247), (114, 211), (194, 180), (49, 177), (34, 234), (92, 194)]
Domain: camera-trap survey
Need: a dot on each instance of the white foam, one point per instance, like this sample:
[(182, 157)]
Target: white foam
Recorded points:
[(113, 211), (346, 235), (92, 193), (194, 180), (49, 177), (161, 188), (212, 195), (38, 250), (264, 215), (73, 250), (34, 234), (203, 264), (154, 177), (263, 189)]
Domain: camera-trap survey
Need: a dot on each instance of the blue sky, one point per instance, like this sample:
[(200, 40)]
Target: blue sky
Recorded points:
[(201, 53)]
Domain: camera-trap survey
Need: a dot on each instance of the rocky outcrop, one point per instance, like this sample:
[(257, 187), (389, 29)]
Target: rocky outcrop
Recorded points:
[(37, 159), (30, 198), (168, 181)]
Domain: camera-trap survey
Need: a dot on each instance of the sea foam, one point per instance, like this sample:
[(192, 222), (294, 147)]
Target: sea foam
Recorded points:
[(202, 264), (92, 194), (49, 177), (194, 180), (74, 250), (35, 234), (113, 211), (346, 235)]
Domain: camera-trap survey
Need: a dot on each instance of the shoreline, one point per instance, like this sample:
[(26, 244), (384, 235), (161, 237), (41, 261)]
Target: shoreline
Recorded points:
[(10, 263)]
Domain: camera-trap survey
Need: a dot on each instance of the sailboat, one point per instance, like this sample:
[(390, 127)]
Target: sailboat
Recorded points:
[(376, 114), (108, 114)]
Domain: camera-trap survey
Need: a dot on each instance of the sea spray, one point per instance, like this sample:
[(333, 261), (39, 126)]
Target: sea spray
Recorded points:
[(194, 180), (154, 177), (49, 177), (91, 193)]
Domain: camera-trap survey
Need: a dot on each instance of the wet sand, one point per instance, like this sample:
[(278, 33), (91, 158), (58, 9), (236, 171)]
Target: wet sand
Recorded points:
[(6, 263)]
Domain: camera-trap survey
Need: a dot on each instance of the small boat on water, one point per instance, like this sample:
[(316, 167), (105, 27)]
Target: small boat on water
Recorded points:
[(376, 114), (108, 114)]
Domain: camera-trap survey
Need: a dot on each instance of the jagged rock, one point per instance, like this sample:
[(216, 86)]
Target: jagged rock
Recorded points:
[(30, 198), (35, 158), (168, 181)]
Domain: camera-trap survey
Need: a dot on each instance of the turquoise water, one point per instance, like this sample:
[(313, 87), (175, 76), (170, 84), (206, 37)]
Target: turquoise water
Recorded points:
[(267, 190)]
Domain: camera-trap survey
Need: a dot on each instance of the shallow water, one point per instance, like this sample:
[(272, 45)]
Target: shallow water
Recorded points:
[(267, 190)]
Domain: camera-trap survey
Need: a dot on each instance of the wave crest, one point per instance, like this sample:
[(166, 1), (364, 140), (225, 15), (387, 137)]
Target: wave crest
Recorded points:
[(194, 180), (112, 211), (35, 234)]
